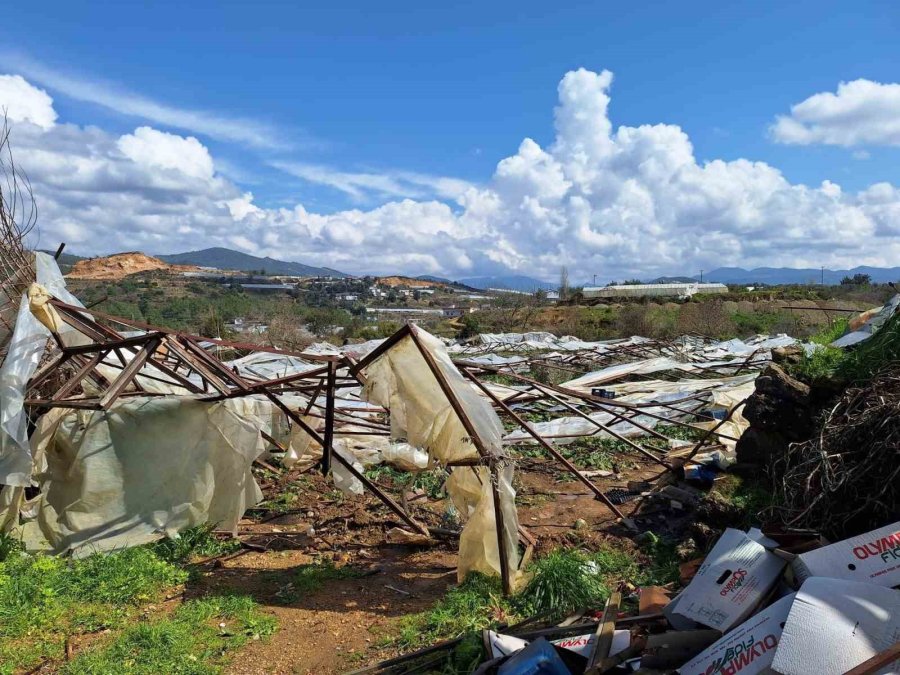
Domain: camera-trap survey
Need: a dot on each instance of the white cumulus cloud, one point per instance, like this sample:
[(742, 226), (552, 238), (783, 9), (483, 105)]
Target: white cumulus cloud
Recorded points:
[(610, 200), (22, 102), (160, 150), (861, 112)]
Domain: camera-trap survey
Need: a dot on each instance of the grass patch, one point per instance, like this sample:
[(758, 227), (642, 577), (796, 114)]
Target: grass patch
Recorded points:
[(474, 604), (286, 499), (750, 497), (44, 599), (194, 541), (825, 361), (662, 562), (431, 482), (563, 581), (863, 361), (193, 641), (309, 578)]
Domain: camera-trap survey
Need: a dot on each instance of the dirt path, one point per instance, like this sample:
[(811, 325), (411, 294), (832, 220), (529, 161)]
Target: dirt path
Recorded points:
[(344, 624)]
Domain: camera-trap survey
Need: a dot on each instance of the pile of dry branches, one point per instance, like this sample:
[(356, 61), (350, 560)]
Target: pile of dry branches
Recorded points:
[(846, 480), (18, 215)]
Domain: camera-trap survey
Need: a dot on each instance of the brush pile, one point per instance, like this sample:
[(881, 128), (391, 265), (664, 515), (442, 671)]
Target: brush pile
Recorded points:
[(846, 479)]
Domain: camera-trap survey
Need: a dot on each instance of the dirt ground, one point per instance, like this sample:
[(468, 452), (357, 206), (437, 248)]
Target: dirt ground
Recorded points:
[(344, 624)]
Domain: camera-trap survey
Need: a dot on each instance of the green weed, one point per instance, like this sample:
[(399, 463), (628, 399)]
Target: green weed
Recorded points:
[(474, 604), (563, 580), (310, 578), (194, 541), (43, 599), (197, 639)]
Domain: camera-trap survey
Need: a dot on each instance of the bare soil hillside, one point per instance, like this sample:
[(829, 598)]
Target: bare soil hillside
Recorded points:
[(121, 265)]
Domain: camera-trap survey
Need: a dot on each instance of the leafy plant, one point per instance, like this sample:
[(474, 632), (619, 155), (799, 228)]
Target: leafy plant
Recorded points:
[(194, 541), (563, 580)]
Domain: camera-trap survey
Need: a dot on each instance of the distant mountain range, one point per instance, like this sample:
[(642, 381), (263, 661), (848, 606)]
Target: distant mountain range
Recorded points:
[(227, 259), (513, 282), (788, 275)]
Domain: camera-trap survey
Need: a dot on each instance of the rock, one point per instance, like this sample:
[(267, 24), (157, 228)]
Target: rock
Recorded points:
[(397, 535), (580, 524), (790, 355), (775, 382), (760, 446), (780, 404)]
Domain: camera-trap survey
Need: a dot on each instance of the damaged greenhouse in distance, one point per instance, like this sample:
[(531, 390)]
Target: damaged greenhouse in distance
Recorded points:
[(115, 433)]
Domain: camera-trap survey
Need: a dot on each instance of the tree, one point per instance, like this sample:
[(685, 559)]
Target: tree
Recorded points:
[(470, 326), (857, 280)]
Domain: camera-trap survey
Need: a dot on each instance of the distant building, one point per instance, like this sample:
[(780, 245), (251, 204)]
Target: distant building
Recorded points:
[(685, 290), (453, 312), (241, 325), (553, 295), (509, 290), (266, 288)]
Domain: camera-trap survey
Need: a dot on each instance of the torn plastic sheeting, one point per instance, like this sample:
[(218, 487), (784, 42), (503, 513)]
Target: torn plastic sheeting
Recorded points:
[(654, 365), (405, 457), (563, 430), (727, 399), (343, 479), (470, 491), (501, 391), (497, 360), (268, 366), (147, 468), (401, 381), (683, 388), (26, 347)]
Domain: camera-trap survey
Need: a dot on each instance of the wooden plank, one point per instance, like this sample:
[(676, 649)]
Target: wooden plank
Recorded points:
[(877, 662), (604, 634)]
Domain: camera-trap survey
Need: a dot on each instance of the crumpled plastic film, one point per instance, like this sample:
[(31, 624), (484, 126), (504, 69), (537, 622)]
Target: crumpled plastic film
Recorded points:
[(405, 457), (401, 381), (470, 491), (26, 346), (147, 468), (38, 304)]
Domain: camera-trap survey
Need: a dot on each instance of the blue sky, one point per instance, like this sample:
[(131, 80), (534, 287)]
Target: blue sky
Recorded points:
[(448, 90)]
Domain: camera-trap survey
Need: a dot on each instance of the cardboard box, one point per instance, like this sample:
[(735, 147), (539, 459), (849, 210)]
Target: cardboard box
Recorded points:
[(730, 583), (834, 625), (873, 557), (749, 649)]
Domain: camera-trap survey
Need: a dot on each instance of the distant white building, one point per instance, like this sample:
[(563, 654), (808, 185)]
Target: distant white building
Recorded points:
[(685, 290), (452, 312)]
